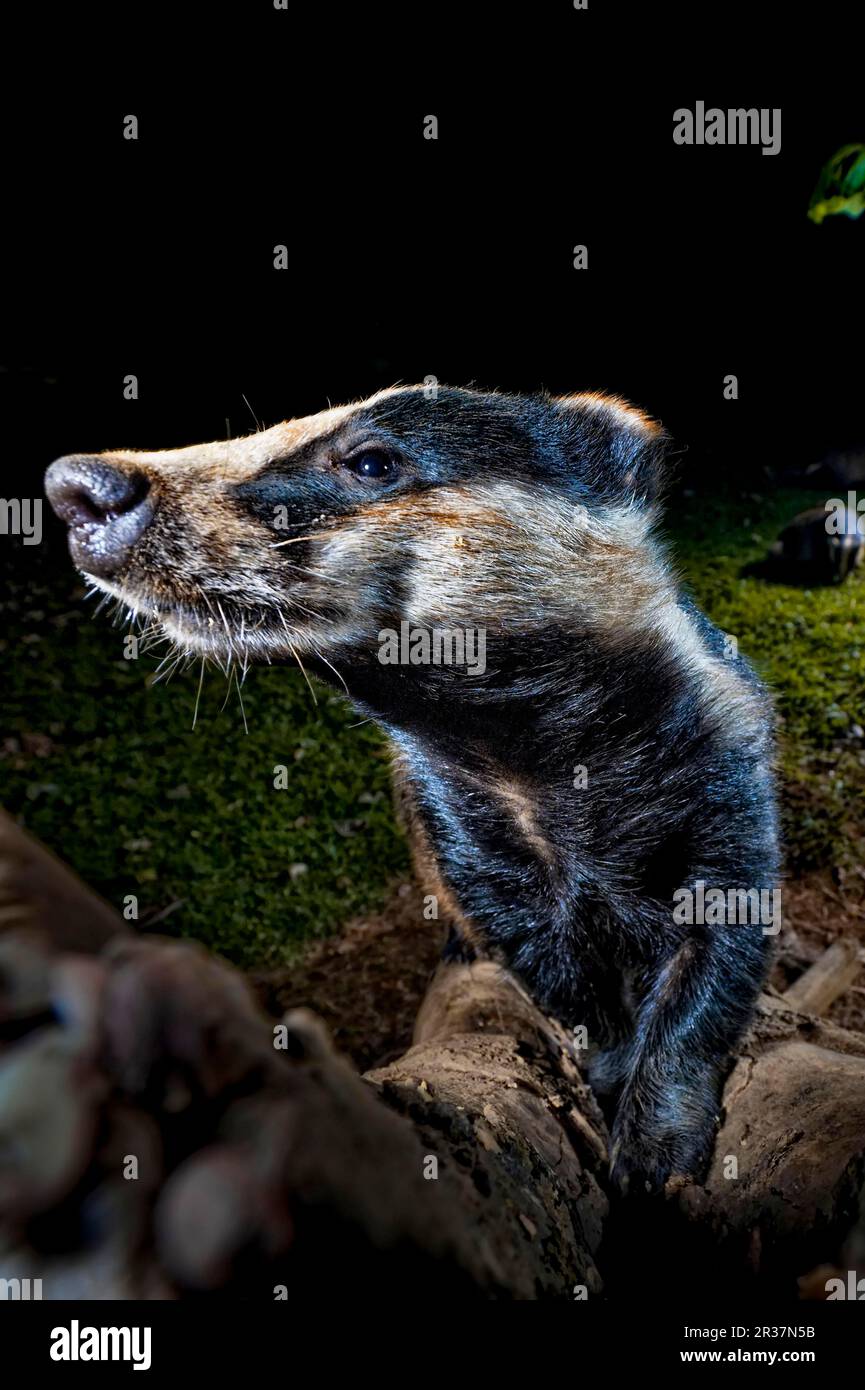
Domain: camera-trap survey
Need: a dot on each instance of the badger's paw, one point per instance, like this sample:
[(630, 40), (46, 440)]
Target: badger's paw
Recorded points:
[(645, 1156)]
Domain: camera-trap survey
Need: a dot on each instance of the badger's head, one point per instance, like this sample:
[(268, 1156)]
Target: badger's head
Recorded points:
[(440, 507)]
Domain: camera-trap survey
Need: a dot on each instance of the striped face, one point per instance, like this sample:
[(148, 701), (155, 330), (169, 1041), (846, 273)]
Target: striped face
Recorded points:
[(451, 509)]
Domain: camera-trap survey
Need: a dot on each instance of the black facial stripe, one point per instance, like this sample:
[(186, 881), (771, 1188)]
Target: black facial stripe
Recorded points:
[(305, 497)]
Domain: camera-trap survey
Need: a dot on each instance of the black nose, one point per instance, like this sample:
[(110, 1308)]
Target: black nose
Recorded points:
[(106, 509)]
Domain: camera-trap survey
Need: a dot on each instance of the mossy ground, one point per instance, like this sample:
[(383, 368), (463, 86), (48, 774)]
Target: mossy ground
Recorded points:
[(103, 765), (809, 646)]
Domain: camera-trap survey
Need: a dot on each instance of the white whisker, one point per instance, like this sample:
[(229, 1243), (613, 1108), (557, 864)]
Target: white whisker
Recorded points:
[(198, 695), (297, 540), (228, 676), (258, 425), (316, 574), (323, 658), (240, 698), (305, 676)]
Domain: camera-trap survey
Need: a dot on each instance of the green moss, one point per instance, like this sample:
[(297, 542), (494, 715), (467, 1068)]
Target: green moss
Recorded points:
[(104, 766), (808, 644)]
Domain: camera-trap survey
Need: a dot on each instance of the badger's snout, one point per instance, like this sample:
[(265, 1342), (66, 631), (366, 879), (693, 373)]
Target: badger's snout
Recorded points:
[(106, 509)]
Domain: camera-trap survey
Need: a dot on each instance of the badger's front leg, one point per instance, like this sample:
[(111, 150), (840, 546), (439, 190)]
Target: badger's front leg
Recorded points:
[(695, 1008)]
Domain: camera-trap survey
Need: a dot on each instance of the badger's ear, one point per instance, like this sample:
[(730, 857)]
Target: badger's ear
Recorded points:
[(620, 451)]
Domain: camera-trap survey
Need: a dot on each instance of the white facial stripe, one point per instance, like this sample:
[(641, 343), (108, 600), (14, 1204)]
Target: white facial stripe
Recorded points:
[(225, 459), (518, 556)]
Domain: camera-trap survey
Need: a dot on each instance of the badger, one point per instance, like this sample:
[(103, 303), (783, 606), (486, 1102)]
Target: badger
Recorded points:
[(820, 546), (609, 755)]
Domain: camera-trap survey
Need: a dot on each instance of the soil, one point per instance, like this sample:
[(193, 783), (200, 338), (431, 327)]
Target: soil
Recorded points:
[(367, 982), (817, 910)]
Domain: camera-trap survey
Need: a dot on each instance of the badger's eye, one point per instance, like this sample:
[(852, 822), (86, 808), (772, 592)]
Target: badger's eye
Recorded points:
[(371, 463)]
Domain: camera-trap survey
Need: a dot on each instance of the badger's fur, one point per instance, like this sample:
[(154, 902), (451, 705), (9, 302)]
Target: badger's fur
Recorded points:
[(611, 751)]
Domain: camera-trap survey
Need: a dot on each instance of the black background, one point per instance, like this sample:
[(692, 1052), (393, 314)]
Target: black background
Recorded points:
[(411, 257)]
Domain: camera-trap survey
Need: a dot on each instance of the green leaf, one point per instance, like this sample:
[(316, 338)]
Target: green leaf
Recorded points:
[(850, 207), (841, 185), (854, 179)]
